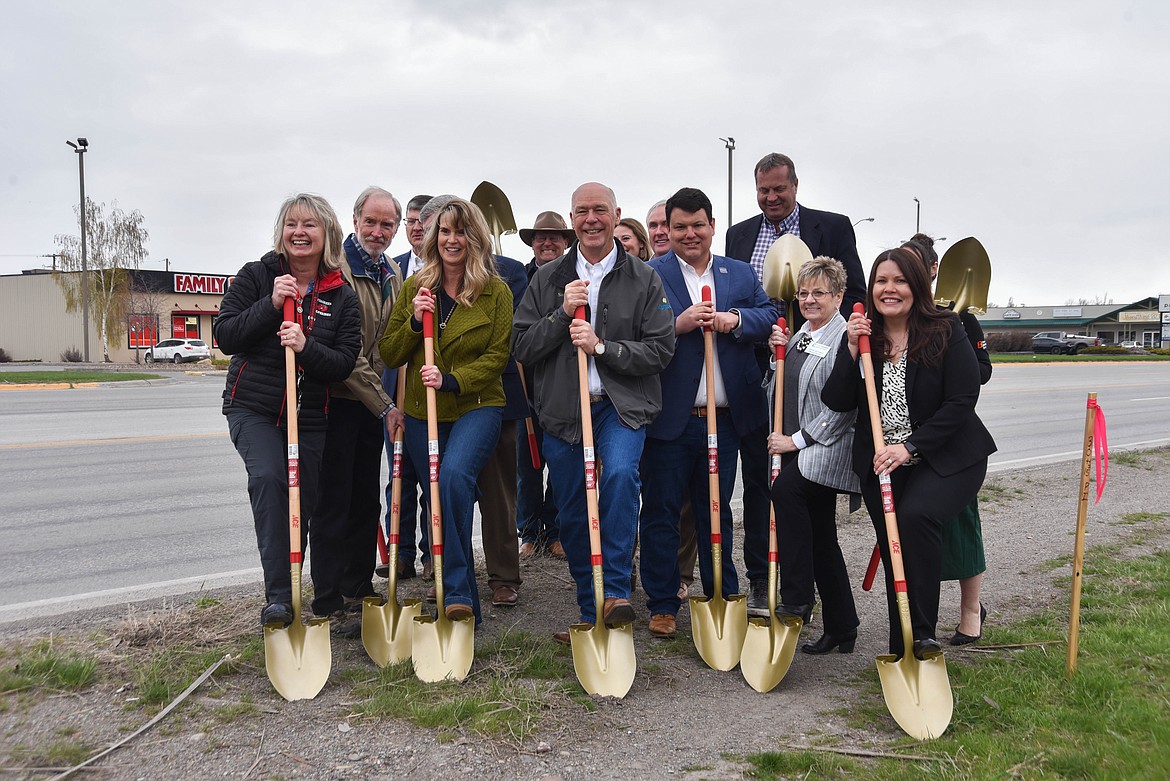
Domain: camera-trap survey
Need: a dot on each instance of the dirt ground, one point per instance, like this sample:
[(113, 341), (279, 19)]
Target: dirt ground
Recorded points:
[(680, 720)]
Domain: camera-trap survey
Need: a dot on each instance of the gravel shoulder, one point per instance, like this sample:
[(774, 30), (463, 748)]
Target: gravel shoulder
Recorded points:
[(680, 720)]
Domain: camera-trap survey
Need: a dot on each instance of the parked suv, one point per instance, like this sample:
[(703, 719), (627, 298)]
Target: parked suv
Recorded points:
[(178, 351), (1061, 343)]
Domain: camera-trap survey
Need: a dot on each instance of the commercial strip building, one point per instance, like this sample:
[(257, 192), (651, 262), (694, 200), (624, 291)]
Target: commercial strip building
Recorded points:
[(1146, 322), (35, 326)]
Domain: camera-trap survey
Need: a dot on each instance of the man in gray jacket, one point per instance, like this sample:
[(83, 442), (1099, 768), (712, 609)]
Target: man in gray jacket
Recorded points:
[(628, 336)]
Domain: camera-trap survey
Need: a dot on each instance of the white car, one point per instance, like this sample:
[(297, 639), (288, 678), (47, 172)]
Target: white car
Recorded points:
[(1130, 345), (178, 351)]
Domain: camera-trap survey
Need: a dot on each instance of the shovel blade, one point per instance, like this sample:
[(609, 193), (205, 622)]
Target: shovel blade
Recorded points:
[(604, 658), (298, 658), (387, 629), (442, 649), (918, 694), (719, 627), (768, 650)]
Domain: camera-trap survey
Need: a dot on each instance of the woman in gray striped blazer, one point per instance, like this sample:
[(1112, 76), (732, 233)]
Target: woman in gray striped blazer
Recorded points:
[(815, 445)]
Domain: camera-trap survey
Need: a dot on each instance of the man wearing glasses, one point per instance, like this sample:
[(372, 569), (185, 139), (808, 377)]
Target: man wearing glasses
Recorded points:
[(825, 233)]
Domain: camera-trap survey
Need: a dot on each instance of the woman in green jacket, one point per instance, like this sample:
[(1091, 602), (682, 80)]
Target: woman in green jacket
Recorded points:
[(472, 310)]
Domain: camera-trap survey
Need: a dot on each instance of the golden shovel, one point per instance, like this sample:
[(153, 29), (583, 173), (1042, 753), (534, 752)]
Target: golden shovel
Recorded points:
[(784, 259), (603, 658), (718, 625), (496, 209), (917, 691), (771, 642), (964, 277), (298, 657), (441, 648), (387, 627)]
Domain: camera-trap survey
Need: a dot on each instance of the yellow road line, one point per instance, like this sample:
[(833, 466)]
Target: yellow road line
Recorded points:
[(112, 441)]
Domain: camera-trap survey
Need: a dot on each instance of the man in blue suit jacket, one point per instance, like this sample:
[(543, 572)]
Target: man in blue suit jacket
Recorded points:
[(675, 458), (827, 234)]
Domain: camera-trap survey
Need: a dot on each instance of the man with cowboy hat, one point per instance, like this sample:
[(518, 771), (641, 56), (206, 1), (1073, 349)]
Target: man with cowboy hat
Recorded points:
[(536, 509)]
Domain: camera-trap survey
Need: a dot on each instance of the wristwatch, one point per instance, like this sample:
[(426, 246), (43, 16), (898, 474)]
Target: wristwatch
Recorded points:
[(599, 348)]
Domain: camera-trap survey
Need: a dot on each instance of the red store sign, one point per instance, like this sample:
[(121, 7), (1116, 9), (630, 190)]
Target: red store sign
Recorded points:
[(209, 284)]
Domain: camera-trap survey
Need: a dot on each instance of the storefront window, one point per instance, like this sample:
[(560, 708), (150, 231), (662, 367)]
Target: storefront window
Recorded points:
[(185, 326), (142, 330)]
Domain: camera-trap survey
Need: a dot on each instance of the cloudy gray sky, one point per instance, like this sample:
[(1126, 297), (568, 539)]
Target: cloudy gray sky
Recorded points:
[(1038, 127)]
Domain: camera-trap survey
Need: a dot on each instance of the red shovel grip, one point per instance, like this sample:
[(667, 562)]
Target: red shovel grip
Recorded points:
[(863, 339), (780, 348), (428, 322), (706, 299), (580, 313), (871, 571), (534, 451), (288, 309)]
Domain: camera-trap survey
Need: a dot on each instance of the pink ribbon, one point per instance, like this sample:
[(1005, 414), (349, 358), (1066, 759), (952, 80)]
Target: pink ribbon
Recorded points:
[(1100, 447)]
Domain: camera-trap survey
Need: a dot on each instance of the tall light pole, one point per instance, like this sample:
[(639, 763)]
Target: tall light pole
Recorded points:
[(917, 215), (863, 219), (729, 142), (81, 147)]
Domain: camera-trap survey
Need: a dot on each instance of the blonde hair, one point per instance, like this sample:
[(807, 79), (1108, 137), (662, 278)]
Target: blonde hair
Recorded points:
[(480, 266), (320, 210)]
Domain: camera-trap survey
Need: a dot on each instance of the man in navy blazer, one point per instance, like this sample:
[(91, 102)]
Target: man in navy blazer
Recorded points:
[(825, 233), (675, 457)]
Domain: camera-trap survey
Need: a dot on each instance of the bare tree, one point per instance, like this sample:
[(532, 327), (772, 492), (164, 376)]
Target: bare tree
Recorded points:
[(117, 245), (143, 305)]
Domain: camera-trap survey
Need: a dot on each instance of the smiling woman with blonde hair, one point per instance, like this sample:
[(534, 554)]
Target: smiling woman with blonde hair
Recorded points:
[(460, 288)]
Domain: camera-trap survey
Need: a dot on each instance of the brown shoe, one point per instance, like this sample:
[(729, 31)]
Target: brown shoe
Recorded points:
[(428, 570), (556, 550), (458, 612), (406, 570), (563, 638), (432, 594), (505, 596), (662, 625), (528, 551), (684, 591), (617, 611)]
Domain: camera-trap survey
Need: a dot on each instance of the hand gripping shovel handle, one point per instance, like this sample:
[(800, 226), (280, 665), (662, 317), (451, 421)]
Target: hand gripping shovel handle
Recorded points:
[(533, 450)]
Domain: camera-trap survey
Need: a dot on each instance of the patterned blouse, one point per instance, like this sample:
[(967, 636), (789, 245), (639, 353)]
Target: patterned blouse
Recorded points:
[(894, 407)]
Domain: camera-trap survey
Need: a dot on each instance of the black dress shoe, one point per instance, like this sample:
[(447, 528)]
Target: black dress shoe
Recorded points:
[(843, 643), (927, 648), (803, 612), (277, 614), (960, 638)]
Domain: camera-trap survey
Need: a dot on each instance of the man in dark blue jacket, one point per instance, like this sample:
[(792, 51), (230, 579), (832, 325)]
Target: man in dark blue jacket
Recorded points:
[(675, 461)]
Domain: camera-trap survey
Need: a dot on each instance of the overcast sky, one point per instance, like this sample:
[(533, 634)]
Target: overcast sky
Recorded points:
[(1040, 128)]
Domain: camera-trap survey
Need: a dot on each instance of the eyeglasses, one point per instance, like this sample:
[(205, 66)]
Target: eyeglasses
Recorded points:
[(817, 295), (410, 222)]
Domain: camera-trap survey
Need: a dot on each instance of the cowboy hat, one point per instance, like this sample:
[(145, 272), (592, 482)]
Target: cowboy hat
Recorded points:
[(551, 222)]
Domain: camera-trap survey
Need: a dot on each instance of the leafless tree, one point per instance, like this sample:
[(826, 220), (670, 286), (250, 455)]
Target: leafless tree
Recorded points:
[(143, 305), (116, 245)]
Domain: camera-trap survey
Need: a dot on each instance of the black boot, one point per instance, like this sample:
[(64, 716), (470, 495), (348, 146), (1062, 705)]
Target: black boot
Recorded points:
[(827, 642)]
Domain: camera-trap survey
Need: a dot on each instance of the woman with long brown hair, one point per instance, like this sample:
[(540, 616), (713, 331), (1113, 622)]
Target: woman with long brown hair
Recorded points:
[(936, 447)]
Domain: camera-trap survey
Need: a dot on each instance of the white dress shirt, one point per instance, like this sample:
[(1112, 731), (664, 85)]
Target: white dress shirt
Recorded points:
[(695, 282), (594, 273)]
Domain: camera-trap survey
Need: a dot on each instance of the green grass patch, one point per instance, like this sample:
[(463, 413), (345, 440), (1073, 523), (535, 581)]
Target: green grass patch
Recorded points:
[(38, 377), (1135, 458), (1029, 358), (164, 675), (1016, 716), (515, 680), (1143, 517), (44, 665), (57, 753)]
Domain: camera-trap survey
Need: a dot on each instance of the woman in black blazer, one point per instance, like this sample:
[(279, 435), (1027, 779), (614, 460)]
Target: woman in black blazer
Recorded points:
[(936, 447)]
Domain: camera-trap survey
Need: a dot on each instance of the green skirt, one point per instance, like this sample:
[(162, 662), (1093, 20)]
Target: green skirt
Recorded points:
[(962, 544)]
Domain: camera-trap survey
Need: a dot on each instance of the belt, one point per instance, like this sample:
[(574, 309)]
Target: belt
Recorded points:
[(701, 412), (594, 398)]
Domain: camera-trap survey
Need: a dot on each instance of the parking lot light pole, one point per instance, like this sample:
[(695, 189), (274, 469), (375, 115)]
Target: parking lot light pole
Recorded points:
[(729, 142), (81, 147)]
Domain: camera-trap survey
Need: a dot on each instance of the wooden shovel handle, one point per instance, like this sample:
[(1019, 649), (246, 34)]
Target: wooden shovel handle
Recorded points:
[(433, 438), (294, 455), (533, 449), (777, 426), (879, 441), (591, 503), (396, 465)]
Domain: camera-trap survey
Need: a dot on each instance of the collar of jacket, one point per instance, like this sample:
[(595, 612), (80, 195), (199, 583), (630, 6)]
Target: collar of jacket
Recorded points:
[(354, 256), (279, 266), (566, 272)]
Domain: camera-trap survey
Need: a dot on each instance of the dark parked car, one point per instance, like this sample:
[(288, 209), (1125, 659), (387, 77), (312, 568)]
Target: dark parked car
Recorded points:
[(1061, 343)]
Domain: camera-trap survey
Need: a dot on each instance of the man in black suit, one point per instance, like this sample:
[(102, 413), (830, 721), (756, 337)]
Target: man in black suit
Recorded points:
[(825, 233)]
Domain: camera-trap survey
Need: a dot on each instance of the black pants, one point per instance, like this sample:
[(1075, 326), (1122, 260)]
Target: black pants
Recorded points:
[(263, 446), (344, 533), (806, 530), (753, 456), (923, 500)]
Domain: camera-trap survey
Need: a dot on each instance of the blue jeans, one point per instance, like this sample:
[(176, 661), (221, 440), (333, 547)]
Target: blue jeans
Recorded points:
[(536, 508), (619, 448), (670, 470), (464, 447)]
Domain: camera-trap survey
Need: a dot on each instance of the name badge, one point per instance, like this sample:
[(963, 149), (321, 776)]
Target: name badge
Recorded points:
[(817, 349)]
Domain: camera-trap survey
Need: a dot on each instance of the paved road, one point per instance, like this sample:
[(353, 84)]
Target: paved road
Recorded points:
[(131, 490)]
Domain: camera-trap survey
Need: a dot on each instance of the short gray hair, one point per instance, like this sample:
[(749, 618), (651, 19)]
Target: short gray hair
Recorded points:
[(417, 202), (823, 266), (360, 203), (434, 205), (655, 206)]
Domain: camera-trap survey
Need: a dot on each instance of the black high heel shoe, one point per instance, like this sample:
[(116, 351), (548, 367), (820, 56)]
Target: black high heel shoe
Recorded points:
[(803, 612), (827, 642), (927, 648), (960, 638)]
